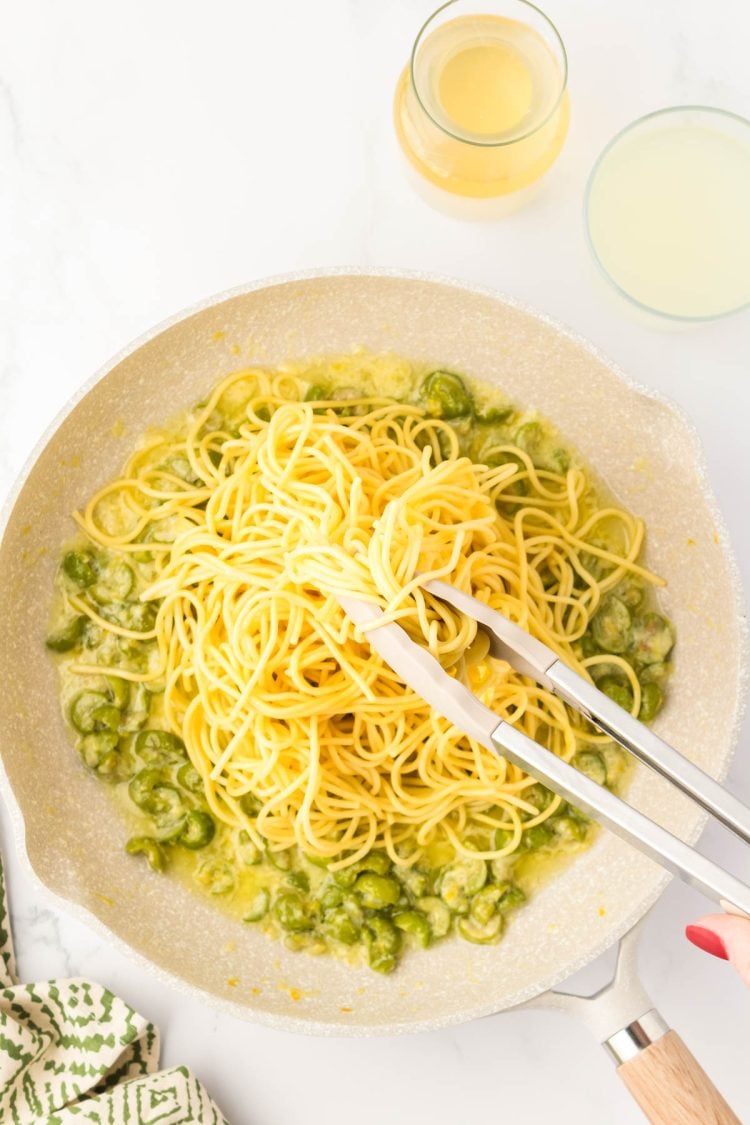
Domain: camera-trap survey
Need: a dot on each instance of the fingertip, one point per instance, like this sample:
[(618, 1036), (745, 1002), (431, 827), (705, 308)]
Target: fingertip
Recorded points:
[(707, 940), (727, 932)]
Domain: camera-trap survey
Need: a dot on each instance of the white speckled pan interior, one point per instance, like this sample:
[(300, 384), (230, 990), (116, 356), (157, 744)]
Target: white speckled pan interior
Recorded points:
[(642, 447)]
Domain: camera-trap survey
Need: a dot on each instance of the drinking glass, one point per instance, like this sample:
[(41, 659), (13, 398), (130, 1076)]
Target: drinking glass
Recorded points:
[(482, 109)]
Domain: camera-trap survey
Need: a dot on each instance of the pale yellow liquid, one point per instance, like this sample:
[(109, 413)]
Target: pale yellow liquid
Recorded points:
[(486, 89), (483, 115), (669, 218)]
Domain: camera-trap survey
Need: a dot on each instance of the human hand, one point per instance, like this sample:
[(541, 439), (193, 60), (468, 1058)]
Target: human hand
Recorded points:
[(725, 936)]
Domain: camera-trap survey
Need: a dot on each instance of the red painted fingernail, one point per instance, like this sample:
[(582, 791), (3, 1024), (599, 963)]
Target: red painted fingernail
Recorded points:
[(707, 940)]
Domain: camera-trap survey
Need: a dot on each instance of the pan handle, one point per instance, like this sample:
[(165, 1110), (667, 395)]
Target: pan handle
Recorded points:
[(664, 1077), (668, 1084)]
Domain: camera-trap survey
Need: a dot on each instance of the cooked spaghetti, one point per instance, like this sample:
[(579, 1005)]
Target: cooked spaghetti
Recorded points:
[(247, 519)]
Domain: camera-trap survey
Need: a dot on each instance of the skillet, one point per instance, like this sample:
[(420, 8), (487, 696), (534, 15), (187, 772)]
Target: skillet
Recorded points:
[(641, 447)]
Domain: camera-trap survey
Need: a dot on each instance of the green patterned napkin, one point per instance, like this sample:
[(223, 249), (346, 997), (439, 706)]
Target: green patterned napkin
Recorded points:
[(70, 1051)]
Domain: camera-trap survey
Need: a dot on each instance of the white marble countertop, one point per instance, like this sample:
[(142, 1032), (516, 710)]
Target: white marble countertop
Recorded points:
[(151, 154)]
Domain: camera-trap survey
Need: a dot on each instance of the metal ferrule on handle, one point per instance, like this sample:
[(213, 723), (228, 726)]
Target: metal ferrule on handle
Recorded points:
[(628, 1043)]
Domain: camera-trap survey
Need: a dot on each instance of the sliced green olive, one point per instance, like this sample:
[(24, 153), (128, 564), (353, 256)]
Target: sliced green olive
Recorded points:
[(138, 616), (602, 670), (92, 635), (354, 909), (145, 556), (484, 904), (137, 653), (587, 647), (189, 778), (250, 804), (138, 709), (513, 487), (142, 786), (331, 897), (542, 448), (317, 860), (416, 882), (651, 639), (501, 867), (258, 906), (247, 852), (281, 860), (114, 581), (180, 466), (152, 849), (611, 626), (153, 687), (377, 891), (594, 565), (377, 862), (657, 673), (338, 925), (570, 828), (592, 764), (495, 897), (617, 690), (316, 392), (617, 762), (501, 837), (159, 747), (168, 810), (293, 913), (539, 796), (118, 691), (460, 881), (511, 896), (198, 830), (631, 593), (383, 942), (68, 636), (165, 530), (414, 922), (536, 837), (494, 415), (99, 752), (651, 701), (91, 711), (347, 395), (80, 567), (437, 443), (479, 934), (300, 880), (216, 876), (437, 913), (445, 396)]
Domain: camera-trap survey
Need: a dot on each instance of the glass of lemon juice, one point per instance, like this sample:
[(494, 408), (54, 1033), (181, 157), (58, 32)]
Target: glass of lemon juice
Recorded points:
[(668, 212), (482, 107)]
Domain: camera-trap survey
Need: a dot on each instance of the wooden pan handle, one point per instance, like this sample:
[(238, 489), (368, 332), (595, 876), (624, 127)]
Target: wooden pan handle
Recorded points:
[(672, 1088)]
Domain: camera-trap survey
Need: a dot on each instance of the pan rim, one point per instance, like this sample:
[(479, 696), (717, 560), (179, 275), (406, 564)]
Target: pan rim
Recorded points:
[(334, 1027)]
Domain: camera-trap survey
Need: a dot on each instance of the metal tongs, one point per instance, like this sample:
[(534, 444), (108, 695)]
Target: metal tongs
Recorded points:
[(530, 657)]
